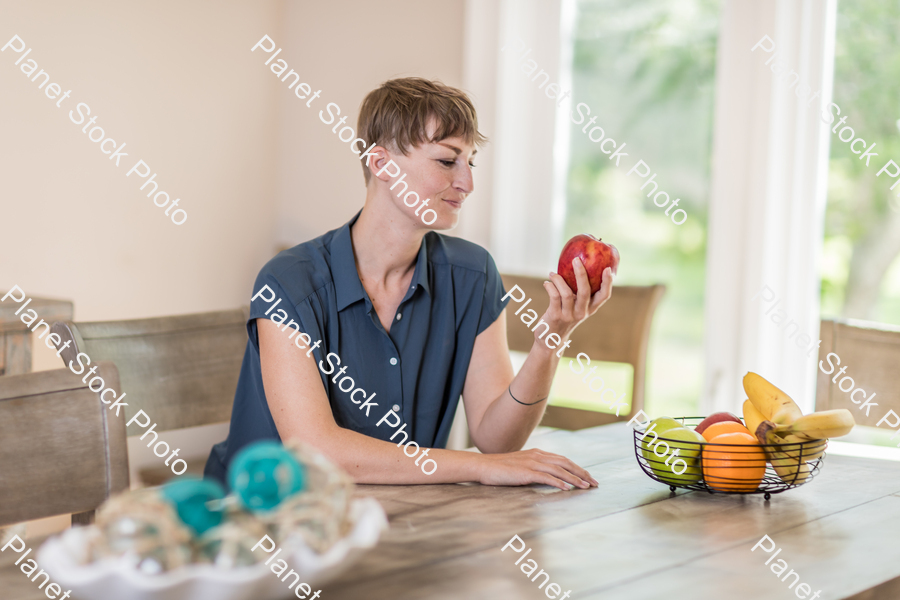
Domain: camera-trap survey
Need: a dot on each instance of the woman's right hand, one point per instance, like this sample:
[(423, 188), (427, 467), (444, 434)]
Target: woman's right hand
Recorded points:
[(568, 309), (533, 466)]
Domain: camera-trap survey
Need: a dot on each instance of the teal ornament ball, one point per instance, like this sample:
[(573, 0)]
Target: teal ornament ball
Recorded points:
[(265, 473), (191, 497)]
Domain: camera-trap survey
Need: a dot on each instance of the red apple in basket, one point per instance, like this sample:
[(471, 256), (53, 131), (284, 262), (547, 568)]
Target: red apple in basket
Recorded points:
[(716, 418), (596, 255)]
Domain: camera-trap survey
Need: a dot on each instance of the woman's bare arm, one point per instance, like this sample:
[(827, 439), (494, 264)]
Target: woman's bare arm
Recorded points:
[(497, 422), (300, 409)]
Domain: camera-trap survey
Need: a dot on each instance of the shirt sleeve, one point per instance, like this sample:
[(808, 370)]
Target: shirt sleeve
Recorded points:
[(494, 291), (296, 317), (269, 301)]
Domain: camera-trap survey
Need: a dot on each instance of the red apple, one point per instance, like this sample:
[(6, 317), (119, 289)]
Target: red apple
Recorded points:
[(594, 254), (715, 418)]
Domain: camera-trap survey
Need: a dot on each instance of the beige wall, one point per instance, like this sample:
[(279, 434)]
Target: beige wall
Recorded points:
[(346, 52), (173, 81), (176, 83)]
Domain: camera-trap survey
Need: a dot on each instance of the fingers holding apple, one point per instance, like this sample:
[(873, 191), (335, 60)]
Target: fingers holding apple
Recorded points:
[(558, 294), (580, 306), (572, 307), (584, 289), (560, 314), (604, 293)]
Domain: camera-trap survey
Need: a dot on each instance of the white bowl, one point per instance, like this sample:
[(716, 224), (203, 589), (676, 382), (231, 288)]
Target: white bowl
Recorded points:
[(115, 579)]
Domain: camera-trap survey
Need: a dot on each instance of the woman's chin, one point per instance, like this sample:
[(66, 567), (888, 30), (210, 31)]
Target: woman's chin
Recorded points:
[(444, 222), (444, 219)]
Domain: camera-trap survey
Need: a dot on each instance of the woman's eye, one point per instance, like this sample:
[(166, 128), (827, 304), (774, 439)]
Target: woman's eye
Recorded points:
[(450, 163)]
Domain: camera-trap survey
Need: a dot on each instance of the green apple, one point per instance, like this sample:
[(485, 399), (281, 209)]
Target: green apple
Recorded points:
[(689, 445), (659, 427)]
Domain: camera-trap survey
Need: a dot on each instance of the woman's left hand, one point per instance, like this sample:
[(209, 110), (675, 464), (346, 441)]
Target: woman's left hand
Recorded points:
[(567, 308)]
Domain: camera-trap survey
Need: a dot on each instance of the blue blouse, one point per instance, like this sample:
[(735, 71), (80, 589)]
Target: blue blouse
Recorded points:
[(418, 369)]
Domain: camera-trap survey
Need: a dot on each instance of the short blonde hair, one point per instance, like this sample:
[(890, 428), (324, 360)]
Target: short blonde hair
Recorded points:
[(396, 115)]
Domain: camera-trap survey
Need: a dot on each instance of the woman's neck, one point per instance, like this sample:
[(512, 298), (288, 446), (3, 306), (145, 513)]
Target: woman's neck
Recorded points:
[(385, 245)]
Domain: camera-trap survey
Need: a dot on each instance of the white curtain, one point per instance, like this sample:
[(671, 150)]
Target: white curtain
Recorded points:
[(518, 208)]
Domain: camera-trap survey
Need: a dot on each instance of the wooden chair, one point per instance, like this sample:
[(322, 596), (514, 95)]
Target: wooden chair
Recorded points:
[(181, 370), (15, 336), (871, 353), (60, 450), (618, 332)]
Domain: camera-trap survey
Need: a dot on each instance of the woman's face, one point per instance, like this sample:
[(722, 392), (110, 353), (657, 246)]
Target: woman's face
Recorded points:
[(441, 174)]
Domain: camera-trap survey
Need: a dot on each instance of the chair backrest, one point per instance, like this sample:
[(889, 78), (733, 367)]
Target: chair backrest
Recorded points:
[(871, 353), (61, 451), (15, 335), (618, 332), (181, 370)]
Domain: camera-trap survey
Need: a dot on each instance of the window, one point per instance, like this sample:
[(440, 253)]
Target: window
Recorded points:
[(859, 267), (646, 70)]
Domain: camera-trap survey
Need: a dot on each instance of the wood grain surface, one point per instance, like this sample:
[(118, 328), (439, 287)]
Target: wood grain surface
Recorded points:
[(629, 539), (870, 353), (61, 451), (181, 370), (16, 338)]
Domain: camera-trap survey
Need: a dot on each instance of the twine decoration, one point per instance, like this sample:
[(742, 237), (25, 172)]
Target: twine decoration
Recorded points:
[(145, 527)]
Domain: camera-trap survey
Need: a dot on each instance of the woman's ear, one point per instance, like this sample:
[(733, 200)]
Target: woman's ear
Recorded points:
[(381, 164)]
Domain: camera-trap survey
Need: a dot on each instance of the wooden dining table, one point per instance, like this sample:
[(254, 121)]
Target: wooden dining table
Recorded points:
[(630, 538), (633, 539)]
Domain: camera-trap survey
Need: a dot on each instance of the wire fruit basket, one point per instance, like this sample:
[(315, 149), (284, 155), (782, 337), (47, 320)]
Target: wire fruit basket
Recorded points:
[(728, 468)]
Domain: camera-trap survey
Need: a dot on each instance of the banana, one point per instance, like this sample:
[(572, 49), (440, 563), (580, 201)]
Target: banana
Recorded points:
[(772, 403), (820, 425), (790, 445), (752, 417), (790, 469), (788, 464)]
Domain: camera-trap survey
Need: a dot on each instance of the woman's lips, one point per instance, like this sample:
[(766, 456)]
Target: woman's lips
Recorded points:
[(457, 204)]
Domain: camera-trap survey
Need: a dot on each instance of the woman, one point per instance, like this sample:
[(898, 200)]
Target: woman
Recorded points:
[(362, 340)]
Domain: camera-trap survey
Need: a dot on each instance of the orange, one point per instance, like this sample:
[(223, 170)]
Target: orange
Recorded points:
[(724, 427), (738, 466)]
